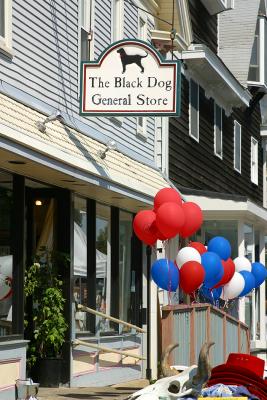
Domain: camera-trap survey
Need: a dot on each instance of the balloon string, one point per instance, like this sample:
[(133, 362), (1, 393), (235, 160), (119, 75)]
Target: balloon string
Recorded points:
[(169, 271)]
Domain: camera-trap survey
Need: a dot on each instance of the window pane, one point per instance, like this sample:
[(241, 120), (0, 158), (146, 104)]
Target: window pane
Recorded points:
[(80, 261), (218, 130), (127, 277), (254, 70), (103, 269), (265, 52), (84, 45), (237, 146), (2, 18), (194, 100), (6, 258)]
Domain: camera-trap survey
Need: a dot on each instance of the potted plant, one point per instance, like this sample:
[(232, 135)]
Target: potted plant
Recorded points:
[(43, 291)]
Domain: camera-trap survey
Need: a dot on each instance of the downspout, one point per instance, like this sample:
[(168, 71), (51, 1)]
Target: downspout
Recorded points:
[(264, 173)]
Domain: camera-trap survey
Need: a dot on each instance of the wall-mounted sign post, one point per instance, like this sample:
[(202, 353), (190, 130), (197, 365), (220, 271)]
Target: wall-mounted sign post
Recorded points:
[(130, 78)]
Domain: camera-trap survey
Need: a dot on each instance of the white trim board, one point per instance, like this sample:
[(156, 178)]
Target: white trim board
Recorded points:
[(212, 74)]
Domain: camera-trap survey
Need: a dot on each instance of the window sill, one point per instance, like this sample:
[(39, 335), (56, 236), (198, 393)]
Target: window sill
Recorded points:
[(6, 50), (236, 170), (117, 120), (218, 156), (194, 138)]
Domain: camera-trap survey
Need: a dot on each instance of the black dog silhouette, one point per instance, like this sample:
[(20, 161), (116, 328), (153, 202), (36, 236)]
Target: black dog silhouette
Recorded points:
[(129, 59)]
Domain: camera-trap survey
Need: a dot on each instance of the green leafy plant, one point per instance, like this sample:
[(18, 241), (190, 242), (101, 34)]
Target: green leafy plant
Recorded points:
[(44, 289)]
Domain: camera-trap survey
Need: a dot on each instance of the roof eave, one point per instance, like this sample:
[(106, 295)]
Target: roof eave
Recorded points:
[(215, 75)]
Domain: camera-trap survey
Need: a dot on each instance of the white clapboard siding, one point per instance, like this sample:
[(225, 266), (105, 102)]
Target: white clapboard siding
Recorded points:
[(45, 40), (236, 36)]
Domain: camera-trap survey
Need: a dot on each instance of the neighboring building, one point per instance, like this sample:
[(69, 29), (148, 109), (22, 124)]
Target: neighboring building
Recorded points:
[(88, 203), (216, 153)]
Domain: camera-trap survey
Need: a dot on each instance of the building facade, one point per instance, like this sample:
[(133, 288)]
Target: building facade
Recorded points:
[(216, 152), (58, 193)]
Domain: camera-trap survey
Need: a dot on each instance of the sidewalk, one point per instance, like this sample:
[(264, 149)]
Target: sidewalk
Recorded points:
[(120, 392)]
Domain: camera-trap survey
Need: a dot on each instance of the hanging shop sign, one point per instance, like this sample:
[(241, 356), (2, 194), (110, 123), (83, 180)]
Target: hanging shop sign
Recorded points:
[(130, 78)]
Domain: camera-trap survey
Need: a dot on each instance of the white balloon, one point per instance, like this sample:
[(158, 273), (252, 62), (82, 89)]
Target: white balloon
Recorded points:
[(242, 264), (234, 287), (187, 254)]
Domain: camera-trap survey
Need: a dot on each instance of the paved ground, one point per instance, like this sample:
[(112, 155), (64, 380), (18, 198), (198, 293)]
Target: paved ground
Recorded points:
[(118, 392)]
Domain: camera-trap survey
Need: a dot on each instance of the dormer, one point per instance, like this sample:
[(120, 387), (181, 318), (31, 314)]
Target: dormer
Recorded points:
[(218, 6), (257, 75), (161, 36)]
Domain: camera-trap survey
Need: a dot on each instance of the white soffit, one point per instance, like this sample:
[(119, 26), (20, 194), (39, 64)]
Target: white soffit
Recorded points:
[(217, 6), (230, 209), (73, 148), (215, 78)]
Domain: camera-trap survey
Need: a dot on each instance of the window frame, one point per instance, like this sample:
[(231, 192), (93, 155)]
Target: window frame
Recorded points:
[(6, 40), (215, 130), (117, 20), (236, 123), (190, 113), (262, 41), (141, 129), (254, 169)]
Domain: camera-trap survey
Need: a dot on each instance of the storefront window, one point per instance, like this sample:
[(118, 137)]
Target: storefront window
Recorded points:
[(227, 229), (6, 258), (80, 261), (103, 266), (126, 276)]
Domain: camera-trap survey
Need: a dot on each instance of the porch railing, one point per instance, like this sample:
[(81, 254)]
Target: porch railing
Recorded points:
[(193, 325), (78, 342)]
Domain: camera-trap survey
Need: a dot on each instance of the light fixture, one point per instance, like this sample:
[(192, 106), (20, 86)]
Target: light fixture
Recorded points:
[(16, 162), (111, 145), (38, 203), (53, 117)]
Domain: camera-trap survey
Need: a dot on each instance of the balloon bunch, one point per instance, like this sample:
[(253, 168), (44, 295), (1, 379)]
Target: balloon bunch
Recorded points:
[(211, 270), (170, 217)]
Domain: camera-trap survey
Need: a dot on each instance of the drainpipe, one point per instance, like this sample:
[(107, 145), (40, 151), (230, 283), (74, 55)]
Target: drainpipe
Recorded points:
[(264, 143), (148, 316)]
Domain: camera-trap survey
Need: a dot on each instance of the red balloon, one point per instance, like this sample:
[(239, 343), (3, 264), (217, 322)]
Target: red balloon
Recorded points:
[(142, 226), (198, 246), (192, 275), (170, 219), (167, 195), (229, 270), (193, 219), (160, 236)]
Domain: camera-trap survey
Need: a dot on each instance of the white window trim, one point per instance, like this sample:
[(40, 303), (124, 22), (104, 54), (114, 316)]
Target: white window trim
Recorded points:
[(141, 130), (190, 134), (117, 30), (235, 124), (214, 123), (86, 26), (6, 42), (255, 178), (262, 50)]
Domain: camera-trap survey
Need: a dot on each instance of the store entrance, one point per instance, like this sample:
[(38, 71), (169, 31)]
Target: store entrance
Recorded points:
[(48, 311)]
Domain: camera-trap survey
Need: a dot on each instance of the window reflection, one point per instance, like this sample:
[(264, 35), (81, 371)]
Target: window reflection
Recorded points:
[(103, 269), (6, 258), (126, 276), (80, 261)]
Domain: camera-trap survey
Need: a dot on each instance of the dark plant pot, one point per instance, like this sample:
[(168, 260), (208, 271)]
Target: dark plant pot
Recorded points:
[(47, 372)]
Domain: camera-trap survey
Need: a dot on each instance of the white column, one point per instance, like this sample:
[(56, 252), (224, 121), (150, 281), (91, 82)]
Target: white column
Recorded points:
[(241, 252), (262, 294)]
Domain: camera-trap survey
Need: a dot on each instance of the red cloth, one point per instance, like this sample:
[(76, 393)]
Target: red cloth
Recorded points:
[(243, 370)]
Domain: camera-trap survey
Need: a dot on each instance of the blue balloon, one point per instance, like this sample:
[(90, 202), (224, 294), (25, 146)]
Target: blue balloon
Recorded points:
[(220, 246), (165, 274), (249, 282), (211, 295), (260, 273), (213, 268)]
